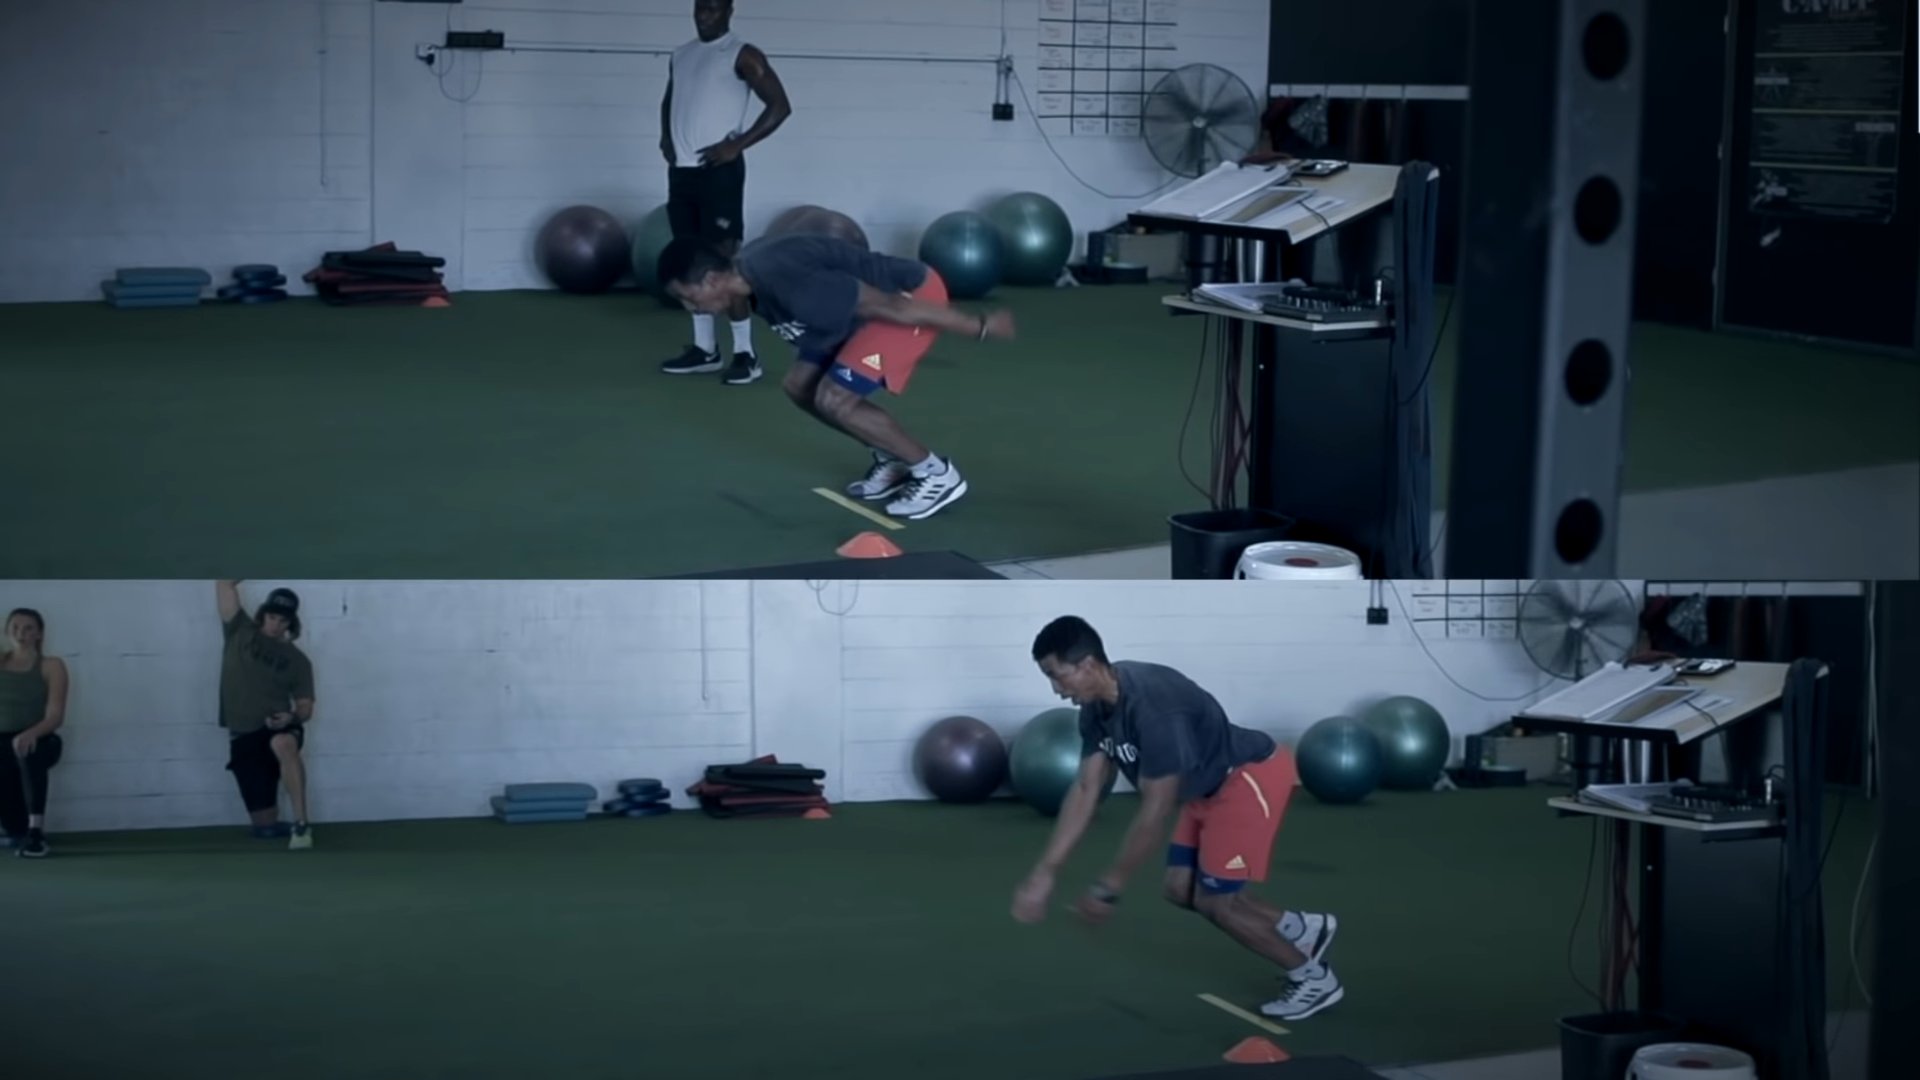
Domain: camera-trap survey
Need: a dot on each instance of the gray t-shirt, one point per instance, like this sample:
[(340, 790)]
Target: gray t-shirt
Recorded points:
[(807, 287), (1166, 725)]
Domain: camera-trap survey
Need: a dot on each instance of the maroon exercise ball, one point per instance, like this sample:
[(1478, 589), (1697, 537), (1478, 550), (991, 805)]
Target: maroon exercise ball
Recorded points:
[(961, 760)]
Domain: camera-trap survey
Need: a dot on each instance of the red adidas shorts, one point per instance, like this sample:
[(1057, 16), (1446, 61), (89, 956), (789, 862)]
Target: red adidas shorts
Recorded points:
[(885, 354), (1233, 829)]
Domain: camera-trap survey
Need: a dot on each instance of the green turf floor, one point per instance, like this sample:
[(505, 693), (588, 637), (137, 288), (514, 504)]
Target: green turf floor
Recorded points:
[(869, 947), (529, 435)]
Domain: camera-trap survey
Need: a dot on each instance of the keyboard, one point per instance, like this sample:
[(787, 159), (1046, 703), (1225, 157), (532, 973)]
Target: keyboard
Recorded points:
[(1714, 806)]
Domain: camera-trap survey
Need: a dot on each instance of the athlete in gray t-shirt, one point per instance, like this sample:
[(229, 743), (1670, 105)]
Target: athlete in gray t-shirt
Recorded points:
[(861, 321), (1174, 743)]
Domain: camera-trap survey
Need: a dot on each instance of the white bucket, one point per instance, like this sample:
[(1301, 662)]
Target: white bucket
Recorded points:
[(1689, 1061), (1296, 560)]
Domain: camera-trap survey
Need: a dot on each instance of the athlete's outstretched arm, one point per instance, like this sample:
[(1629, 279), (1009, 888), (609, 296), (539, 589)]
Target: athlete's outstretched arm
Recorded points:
[(1148, 833), (906, 311), (1076, 811)]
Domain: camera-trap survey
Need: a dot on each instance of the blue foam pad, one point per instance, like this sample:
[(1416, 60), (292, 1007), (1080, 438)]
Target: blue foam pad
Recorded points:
[(502, 805), (273, 297), (155, 302), (540, 818), (164, 275), (114, 290), (256, 270), (648, 811), (640, 787), (522, 792)]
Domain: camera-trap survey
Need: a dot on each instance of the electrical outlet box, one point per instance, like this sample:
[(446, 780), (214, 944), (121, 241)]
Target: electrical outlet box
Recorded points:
[(476, 39), (1003, 110), (1376, 616)]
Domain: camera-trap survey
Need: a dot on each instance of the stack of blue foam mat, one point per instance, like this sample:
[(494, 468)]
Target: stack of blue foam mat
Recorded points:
[(640, 798), (530, 804), (256, 283), (156, 287)]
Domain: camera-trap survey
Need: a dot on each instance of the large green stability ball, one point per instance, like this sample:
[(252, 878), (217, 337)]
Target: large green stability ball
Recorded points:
[(650, 238), (1046, 759), (1035, 237), (1339, 760), (964, 249), (1414, 738)]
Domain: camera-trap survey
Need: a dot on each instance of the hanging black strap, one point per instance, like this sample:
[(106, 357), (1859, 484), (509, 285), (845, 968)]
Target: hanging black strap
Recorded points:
[(1803, 953)]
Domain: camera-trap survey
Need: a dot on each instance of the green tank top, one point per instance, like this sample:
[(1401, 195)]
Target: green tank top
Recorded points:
[(23, 698)]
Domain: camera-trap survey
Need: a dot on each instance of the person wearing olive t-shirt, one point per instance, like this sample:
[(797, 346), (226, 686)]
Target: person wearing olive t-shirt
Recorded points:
[(1175, 745), (266, 702)]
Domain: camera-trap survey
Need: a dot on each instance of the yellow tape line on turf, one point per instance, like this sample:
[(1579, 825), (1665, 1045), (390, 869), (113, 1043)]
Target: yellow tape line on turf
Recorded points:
[(881, 520), (1257, 1021)]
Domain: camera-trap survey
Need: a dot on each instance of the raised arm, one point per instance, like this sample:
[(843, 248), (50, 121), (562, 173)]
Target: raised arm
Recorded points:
[(226, 596), (874, 304)]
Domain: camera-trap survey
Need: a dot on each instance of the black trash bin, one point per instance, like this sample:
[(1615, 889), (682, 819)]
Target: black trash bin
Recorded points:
[(1207, 543), (1600, 1046)]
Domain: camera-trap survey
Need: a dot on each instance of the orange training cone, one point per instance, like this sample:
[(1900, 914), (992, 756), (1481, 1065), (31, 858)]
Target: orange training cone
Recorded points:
[(1256, 1051), (869, 545), (816, 814)]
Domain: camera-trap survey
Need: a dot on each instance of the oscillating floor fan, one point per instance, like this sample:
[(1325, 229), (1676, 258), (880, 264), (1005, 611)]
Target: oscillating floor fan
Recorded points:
[(1571, 629), (1198, 116)]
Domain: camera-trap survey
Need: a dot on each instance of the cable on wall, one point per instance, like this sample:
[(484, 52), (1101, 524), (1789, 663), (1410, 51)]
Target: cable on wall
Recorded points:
[(1406, 614)]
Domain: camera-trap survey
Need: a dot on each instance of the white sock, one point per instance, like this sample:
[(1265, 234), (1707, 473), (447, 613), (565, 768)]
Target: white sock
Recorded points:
[(743, 336), (703, 336), (1291, 926), (933, 466)]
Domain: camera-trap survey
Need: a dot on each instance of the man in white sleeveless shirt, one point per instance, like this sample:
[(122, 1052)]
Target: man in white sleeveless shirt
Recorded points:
[(704, 135)]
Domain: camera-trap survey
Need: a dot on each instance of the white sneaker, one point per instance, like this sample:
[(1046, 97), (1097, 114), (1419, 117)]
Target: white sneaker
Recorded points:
[(1316, 933), (925, 496), (301, 838), (1320, 989), (883, 481)]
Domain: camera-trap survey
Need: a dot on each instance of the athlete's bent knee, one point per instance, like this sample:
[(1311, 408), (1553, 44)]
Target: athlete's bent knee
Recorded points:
[(834, 400), (284, 744), (799, 383), (1214, 906)]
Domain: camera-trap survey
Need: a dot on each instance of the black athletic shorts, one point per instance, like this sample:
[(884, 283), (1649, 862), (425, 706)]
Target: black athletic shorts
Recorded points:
[(707, 202)]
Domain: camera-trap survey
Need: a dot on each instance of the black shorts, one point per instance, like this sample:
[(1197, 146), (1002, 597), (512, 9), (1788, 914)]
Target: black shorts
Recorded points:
[(707, 202), (261, 738)]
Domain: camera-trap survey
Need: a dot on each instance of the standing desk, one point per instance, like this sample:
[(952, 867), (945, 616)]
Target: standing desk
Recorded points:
[(1710, 911), (1326, 395)]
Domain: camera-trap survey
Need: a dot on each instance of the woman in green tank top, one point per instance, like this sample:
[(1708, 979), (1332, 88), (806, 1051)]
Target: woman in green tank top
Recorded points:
[(33, 705)]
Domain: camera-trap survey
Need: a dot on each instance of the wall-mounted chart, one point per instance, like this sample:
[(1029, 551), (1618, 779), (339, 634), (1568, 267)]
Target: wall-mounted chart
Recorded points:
[(1098, 59)]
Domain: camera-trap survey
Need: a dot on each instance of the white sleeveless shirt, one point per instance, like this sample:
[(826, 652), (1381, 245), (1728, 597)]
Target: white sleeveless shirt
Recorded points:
[(710, 99)]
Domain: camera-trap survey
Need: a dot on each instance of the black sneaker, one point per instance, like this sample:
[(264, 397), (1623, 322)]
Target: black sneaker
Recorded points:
[(33, 847), (694, 361), (745, 369)]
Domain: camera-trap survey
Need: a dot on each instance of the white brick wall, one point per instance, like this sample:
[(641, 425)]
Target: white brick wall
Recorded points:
[(432, 695), (221, 132)]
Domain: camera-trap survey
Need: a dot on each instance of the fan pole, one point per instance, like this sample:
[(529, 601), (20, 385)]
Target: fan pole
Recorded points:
[(1551, 172)]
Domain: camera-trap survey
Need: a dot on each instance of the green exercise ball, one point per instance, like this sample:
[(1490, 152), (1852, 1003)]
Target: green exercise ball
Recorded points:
[(1035, 237), (1414, 738), (651, 238), (1046, 758), (964, 249), (1339, 760)]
